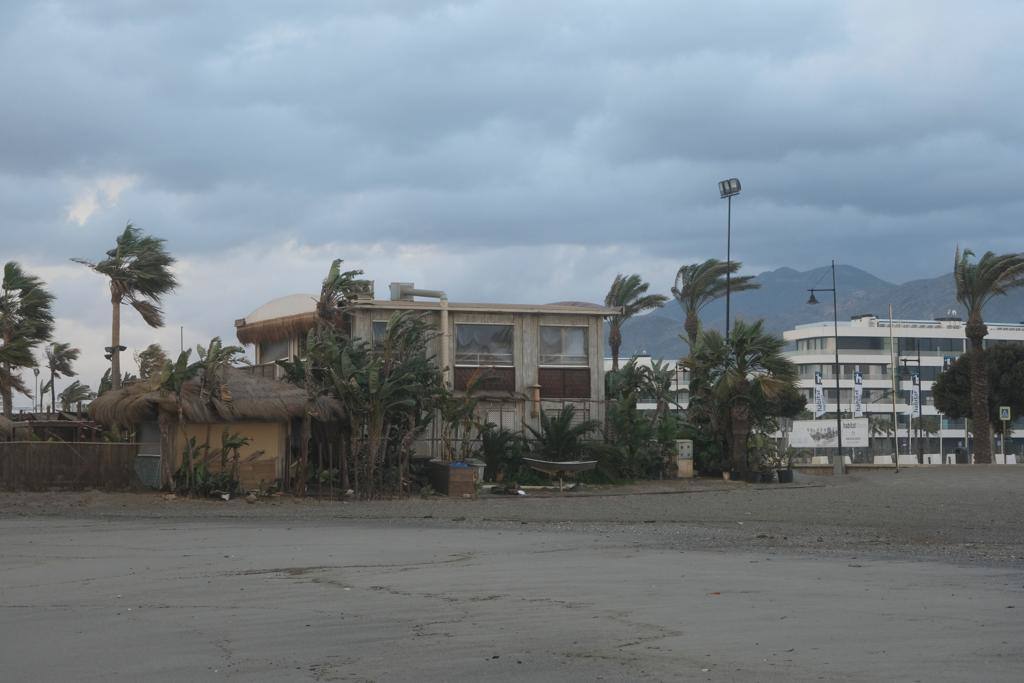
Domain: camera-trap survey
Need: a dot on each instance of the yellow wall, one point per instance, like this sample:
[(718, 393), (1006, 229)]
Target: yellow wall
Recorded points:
[(269, 437)]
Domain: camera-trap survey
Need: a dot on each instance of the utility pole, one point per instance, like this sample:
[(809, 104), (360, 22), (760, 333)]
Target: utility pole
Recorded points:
[(893, 371)]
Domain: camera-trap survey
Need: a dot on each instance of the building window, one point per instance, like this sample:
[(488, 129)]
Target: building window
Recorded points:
[(563, 345), (911, 345), (271, 351), (378, 332), (813, 344), (485, 379), (861, 343), (483, 345), (564, 382)]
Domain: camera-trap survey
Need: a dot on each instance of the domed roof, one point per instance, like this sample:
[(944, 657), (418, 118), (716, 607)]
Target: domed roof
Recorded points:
[(293, 304)]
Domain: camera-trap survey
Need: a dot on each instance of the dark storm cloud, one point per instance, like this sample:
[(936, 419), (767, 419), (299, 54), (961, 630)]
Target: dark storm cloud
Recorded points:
[(525, 123)]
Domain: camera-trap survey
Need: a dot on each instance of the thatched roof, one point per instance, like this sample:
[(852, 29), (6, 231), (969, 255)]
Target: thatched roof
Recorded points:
[(283, 318), (248, 397), (278, 329), (6, 428)]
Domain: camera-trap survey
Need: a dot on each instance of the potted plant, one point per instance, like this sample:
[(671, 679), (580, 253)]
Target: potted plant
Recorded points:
[(785, 457)]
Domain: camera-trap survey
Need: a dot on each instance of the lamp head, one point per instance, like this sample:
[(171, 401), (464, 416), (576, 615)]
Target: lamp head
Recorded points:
[(728, 188), (813, 299)]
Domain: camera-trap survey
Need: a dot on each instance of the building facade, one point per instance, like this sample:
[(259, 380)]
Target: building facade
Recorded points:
[(522, 358), (884, 350)]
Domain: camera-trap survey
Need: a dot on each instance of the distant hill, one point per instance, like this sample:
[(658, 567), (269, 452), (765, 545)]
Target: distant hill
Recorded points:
[(782, 302)]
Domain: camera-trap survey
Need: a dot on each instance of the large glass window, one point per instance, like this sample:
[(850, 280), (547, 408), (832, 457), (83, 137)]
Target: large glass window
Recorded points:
[(563, 345), (271, 351), (812, 344), (861, 343), (483, 345), (910, 345)]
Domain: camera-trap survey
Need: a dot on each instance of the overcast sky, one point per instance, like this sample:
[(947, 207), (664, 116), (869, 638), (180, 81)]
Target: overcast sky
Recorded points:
[(513, 150)]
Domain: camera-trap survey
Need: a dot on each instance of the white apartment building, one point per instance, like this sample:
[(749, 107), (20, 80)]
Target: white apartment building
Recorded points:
[(917, 346)]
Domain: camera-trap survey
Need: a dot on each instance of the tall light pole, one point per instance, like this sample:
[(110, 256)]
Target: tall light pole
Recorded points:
[(838, 466), (728, 189), (35, 371)]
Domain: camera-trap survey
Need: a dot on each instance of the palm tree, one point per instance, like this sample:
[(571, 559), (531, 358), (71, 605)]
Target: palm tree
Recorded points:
[(558, 438), (747, 370), (151, 361), (628, 293), (76, 392), (139, 269), (26, 320), (172, 381), (699, 284), (59, 359), (339, 289), (976, 284)]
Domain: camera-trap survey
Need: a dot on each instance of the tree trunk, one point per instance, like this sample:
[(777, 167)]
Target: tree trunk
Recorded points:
[(343, 450), (692, 329), (740, 425), (615, 342), (8, 393), (115, 340), (976, 331), (166, 450), (300, 487)]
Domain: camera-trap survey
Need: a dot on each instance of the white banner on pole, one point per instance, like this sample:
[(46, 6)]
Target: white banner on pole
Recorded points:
[(822, 433), (915, 396), (819, 395), (858, 393)]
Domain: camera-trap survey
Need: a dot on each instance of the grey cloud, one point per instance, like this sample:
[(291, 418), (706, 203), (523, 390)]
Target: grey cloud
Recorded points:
[(480, 124)]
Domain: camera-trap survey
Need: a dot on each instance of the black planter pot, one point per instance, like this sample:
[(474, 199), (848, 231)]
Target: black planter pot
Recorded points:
[(767, 477), (785, 476)]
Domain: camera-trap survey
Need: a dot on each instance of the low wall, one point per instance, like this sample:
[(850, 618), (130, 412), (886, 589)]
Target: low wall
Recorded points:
[(39, 465)]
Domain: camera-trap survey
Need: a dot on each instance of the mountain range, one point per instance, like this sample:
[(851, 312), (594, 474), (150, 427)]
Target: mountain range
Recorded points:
[(782, 302)]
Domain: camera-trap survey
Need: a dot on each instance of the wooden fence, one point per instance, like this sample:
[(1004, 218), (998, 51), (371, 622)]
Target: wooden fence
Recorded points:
[(40, 465)]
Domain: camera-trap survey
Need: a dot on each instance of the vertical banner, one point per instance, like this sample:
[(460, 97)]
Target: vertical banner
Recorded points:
[(915, 395), (858, 393), (819, 395)]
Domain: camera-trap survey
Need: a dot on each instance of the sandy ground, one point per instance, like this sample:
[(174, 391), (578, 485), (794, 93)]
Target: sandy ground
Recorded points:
[(916, 576)]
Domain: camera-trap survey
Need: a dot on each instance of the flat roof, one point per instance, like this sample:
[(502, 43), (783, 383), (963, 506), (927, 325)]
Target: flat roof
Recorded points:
[(879, 327), (566, 308)]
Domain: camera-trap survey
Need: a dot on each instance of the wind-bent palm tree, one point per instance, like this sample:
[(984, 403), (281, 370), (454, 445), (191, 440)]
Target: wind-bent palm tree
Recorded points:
[(76, 392), (59, 360), (747, 368), (629, 294), (139, 269), (976, 284), (339, 289), (26, 320), (151, 361), (699, 284)]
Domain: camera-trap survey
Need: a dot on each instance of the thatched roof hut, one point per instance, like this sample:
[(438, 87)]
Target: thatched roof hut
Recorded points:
[(284, 318), (246, 397)]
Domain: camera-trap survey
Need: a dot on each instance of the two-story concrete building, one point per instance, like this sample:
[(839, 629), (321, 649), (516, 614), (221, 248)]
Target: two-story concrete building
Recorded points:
[(527, 358)]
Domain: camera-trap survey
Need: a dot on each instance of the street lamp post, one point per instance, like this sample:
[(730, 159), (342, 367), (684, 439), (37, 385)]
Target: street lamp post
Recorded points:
[(728, 189), (35, 371), (838, 466)]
